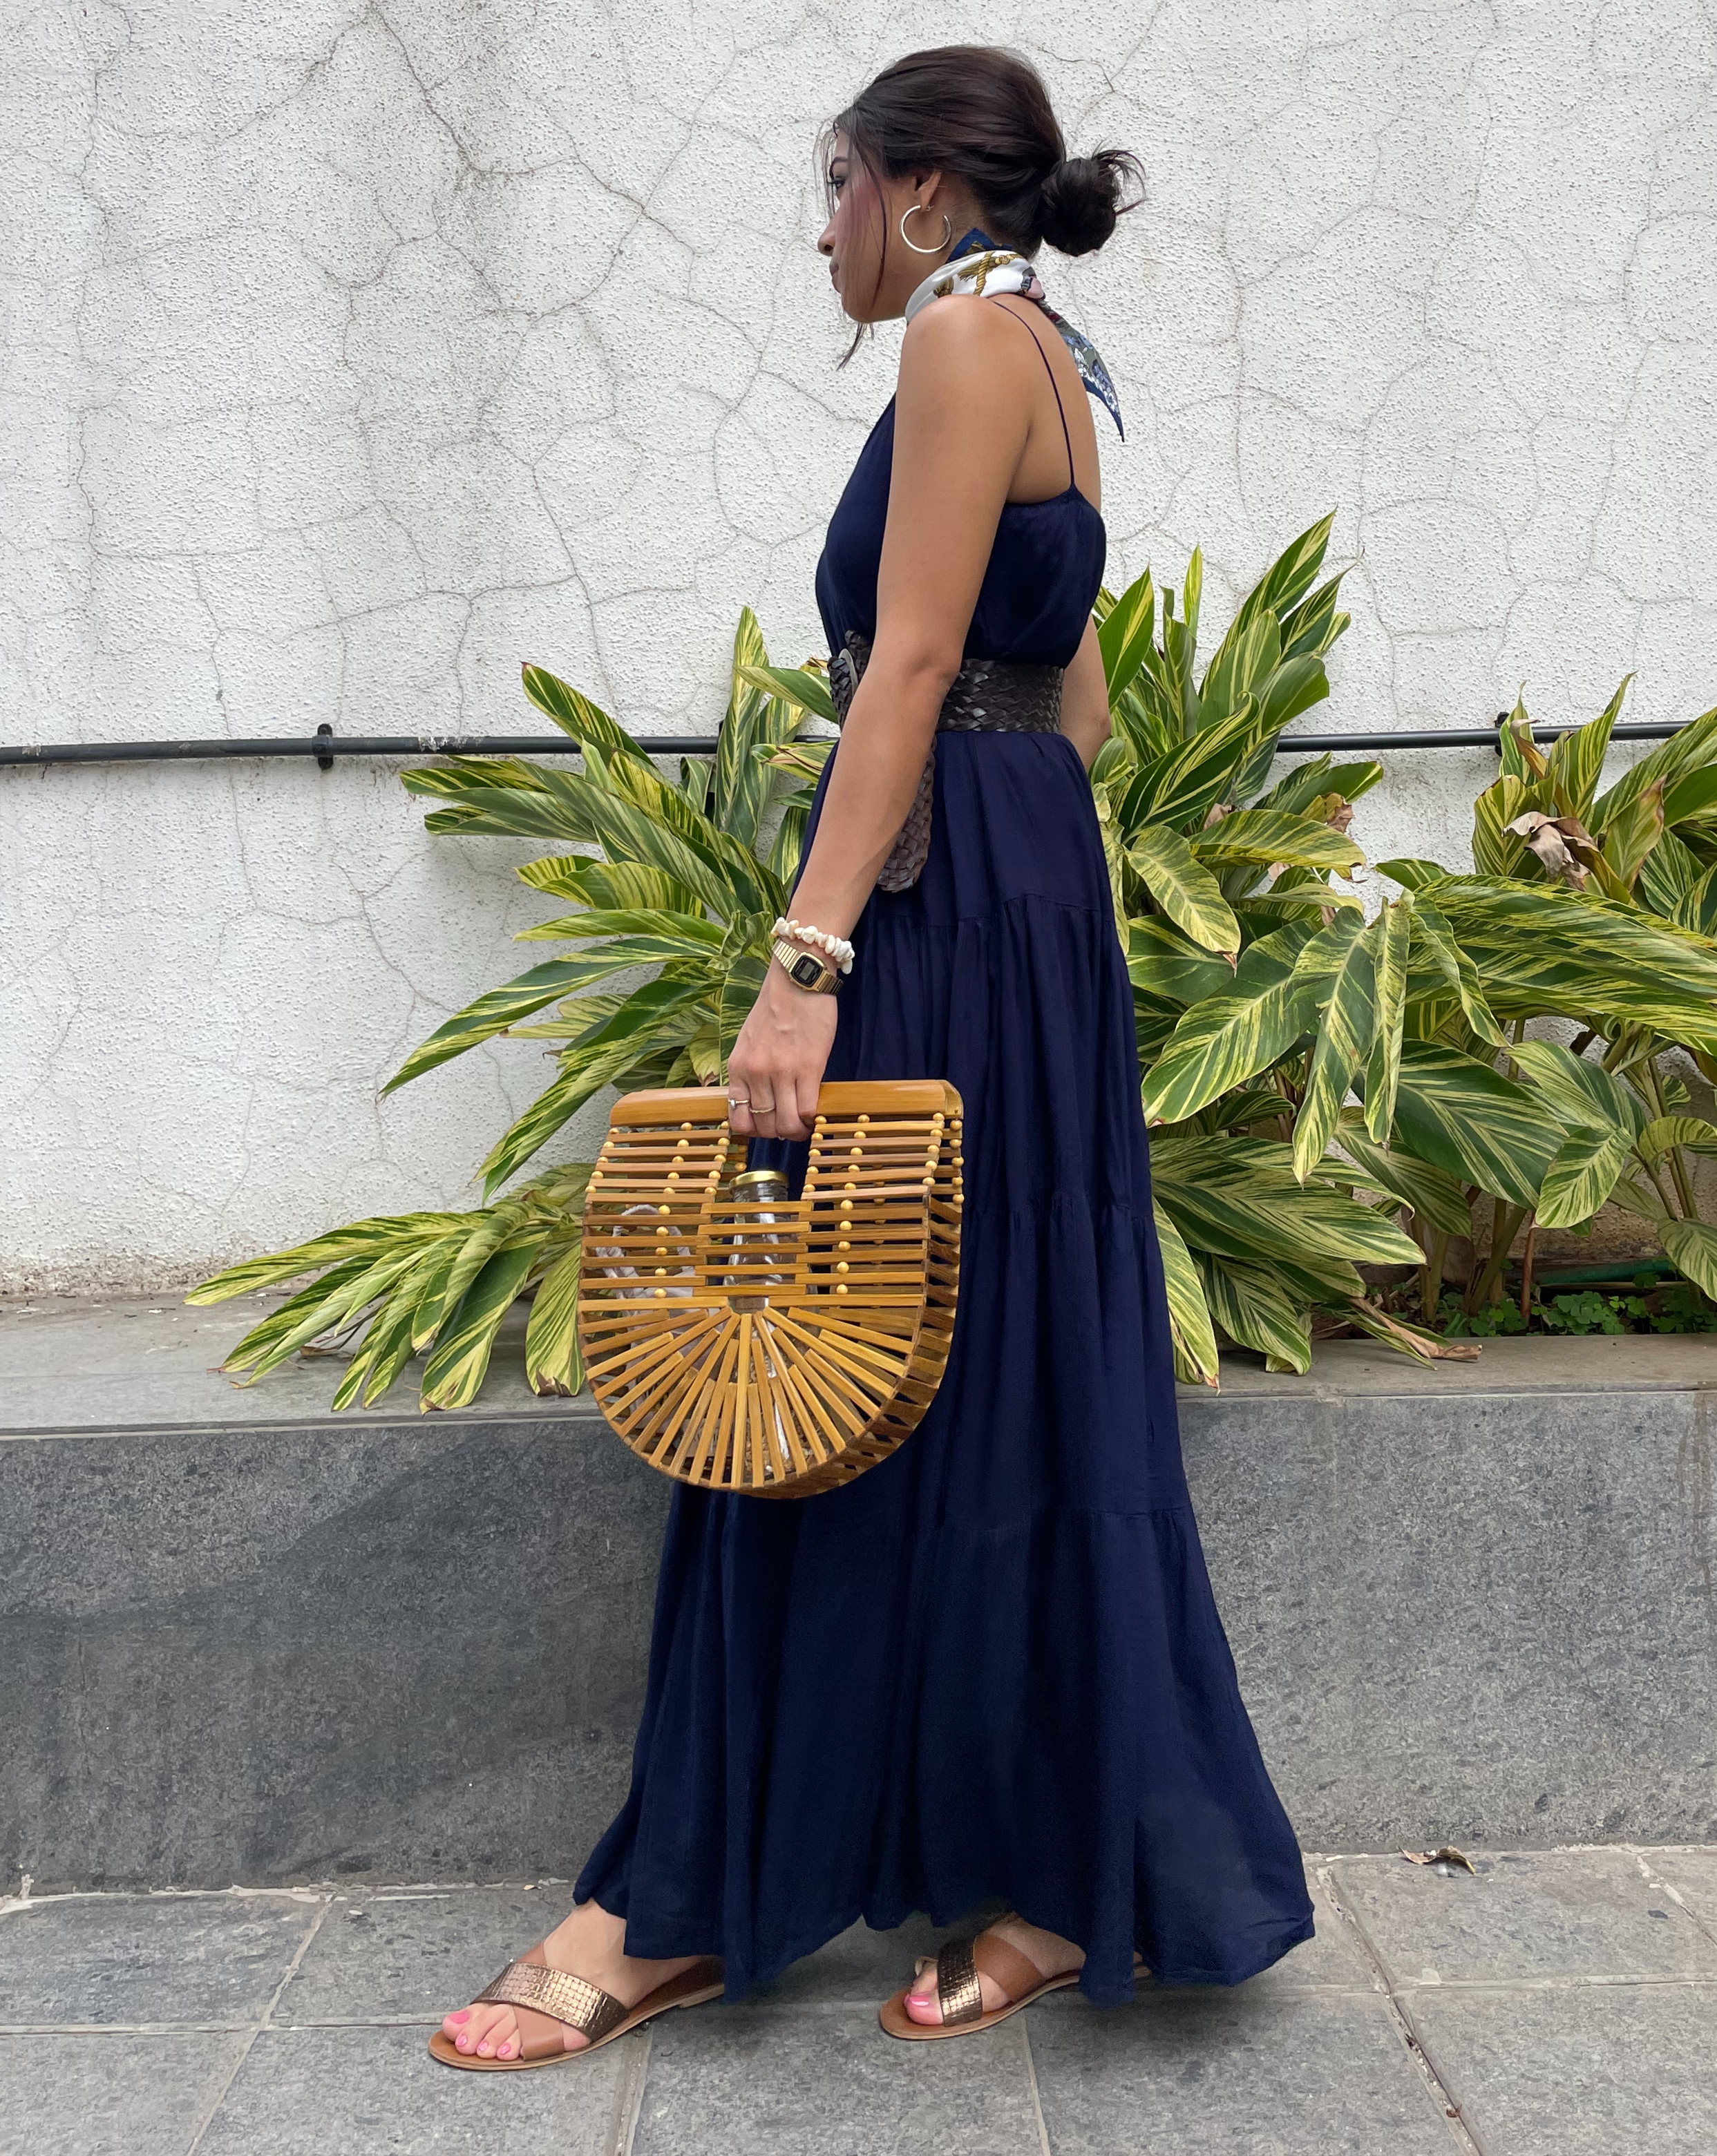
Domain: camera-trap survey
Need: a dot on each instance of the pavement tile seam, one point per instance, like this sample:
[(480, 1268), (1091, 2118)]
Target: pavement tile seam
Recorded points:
[(1659, 1885), (293, 1967), (129, 2028), (1517, 1985), (1439, 2090), (631, 2102), (212, 2111), (1032, 2082)]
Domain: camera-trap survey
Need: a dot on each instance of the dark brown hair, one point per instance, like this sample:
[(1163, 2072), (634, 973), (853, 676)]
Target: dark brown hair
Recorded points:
[(982, 113)]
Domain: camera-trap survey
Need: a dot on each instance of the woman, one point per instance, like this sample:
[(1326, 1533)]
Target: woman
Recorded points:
[(990, 1668)]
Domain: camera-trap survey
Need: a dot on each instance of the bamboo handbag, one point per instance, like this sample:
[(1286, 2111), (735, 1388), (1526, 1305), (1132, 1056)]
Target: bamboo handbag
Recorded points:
[(743, 1340)]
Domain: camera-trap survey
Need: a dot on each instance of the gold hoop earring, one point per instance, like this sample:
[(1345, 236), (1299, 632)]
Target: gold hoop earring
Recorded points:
[(946, 231)]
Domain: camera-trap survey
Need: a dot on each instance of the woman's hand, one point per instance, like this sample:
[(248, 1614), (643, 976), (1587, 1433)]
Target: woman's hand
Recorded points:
[(776, 1069)]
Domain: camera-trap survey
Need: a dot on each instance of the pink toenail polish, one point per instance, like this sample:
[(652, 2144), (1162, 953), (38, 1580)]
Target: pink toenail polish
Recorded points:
[(463, 2015)]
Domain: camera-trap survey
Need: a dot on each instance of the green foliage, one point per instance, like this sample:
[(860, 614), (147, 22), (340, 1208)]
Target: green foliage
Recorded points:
[(1331, 1086), (672, 918), (431, 1284)]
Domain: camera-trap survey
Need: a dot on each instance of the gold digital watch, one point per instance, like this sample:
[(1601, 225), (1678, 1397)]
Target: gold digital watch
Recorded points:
[(805, 970)]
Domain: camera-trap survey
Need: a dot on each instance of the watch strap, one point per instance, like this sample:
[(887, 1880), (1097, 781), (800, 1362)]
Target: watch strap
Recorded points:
[(806, 968)]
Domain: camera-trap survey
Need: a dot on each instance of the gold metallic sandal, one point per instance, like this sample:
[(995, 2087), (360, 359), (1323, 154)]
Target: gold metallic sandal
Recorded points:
[(959, 1967), (597, 2015)]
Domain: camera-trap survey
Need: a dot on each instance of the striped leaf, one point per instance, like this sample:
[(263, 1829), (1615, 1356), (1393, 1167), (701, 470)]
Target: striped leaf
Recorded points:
[(755, 719), (1473, 1123), (1318, 776), (1693, 1247), (788, 848), (1179, 786), (653, 937), (1295, 687), (501, 1008), (1632, 832), (363, 1240), (1692, 1133), (1437, 1199), (661, 1012), (1161, 963), (1346, 1025), (460, 1356), (1228, 1039), (1250, 1308), (1581, 1091), (1188, 893), (1247, 658), (1585, 1170), (1670, 875), (552, 1363), (338, 1296), (1288, 901), (667, 814), (625, 886), (800, 688), (1271, 834), (1540, 949), (1124, 635), (1412, 873), (486, 1233), (1695, 744), (1577, 759), (1113, 856), (1281, 588), (1698, 910), (574, 713), (1393, 929), (1433, 943), (1193, 1340)]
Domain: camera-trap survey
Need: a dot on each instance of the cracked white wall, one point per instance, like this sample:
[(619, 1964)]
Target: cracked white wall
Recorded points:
[(355, 353)]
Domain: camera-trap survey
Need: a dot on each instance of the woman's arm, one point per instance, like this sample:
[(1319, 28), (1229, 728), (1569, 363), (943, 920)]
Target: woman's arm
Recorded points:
[(1085, 699), (961, 420)]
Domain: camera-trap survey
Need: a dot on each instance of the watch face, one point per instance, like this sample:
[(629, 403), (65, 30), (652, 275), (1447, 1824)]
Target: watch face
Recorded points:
[(807, 971)]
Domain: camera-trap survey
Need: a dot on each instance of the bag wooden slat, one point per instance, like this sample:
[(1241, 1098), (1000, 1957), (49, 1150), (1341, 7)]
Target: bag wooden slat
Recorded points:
[(779, 1349)]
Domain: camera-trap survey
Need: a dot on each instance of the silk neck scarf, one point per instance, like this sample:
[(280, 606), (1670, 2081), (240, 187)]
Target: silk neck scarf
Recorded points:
[(975, 264)]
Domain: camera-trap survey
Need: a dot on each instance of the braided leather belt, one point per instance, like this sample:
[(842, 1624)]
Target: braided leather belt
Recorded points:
[(987, 696)]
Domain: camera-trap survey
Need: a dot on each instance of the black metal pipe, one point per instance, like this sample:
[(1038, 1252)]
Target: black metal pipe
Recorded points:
[(1463, 737), (326, 748)]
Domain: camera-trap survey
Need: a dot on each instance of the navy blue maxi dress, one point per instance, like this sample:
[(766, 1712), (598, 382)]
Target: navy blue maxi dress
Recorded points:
[(991, 1667)]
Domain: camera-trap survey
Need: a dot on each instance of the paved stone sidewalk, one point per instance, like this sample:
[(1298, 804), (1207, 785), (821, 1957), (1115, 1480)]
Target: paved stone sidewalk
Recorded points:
[(1559, 2003)]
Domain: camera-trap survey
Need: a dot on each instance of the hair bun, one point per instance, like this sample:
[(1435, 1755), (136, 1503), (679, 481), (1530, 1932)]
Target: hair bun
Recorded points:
[(1081, 199)]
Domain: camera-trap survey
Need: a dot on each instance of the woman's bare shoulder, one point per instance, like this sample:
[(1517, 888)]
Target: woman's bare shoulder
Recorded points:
[(953, 328)]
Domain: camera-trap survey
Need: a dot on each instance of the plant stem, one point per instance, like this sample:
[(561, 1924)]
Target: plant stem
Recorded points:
[(1651, 1084), (1526, 1274), (1505, 1225), (1430, 1276)]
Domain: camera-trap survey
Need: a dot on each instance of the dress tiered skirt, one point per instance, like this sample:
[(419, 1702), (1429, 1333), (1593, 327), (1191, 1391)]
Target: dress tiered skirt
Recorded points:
[(991, 1667)]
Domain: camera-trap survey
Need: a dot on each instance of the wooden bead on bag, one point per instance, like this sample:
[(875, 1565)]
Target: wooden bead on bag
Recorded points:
[(759, 1344)]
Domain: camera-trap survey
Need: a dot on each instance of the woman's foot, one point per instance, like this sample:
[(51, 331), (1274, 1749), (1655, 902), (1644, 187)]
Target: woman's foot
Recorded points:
[(590, 1943), (1048, 1953)]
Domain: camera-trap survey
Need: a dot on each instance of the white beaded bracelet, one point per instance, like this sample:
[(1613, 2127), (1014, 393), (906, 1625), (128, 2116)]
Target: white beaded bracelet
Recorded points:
[(835, 948)]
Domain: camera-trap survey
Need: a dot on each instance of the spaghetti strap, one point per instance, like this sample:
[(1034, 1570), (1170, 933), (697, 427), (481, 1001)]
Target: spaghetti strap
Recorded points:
[(1061, 408)]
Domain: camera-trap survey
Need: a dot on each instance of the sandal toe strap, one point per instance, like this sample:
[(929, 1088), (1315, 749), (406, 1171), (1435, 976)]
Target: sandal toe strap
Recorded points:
[(583, 2006), (961, 1962), (958, 1991)]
